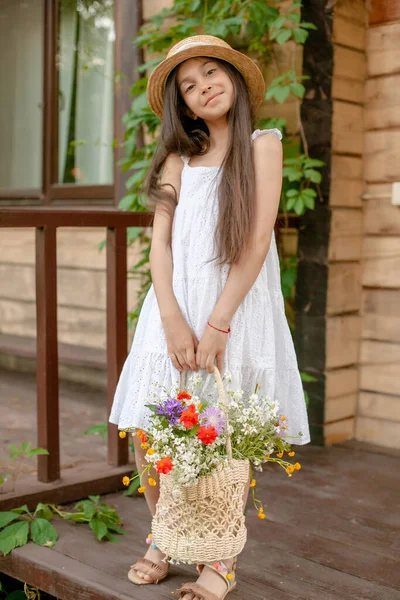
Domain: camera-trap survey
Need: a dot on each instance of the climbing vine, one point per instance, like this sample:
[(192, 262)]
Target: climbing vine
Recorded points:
[(257, 27)]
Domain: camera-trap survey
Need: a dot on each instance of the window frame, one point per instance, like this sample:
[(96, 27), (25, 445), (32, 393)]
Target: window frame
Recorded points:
[(127, 19)]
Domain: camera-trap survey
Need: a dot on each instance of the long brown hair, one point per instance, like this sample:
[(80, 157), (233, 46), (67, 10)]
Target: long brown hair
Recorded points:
[(188, 137)]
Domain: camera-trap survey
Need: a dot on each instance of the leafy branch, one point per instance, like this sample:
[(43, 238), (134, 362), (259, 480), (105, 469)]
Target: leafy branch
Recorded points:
[(20, 525)]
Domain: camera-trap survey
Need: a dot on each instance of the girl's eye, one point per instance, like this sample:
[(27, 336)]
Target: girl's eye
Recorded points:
[(211, 71), (208, 72), (190, 86)]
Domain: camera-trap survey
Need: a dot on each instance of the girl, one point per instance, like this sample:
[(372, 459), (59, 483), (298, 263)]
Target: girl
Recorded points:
[(216, 293)]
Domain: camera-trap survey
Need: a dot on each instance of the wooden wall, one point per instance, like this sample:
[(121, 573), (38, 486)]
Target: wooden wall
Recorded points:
[(378, 418), (343, 321)]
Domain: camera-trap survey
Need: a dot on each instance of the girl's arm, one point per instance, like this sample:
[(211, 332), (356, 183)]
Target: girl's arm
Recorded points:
[(181, 340), (243, 273)]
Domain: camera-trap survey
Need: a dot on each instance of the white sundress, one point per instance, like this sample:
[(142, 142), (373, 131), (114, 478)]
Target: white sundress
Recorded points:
[(259, 349)]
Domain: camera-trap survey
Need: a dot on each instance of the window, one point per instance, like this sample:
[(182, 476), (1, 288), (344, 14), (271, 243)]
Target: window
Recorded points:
[(85, 65), (21, 93)]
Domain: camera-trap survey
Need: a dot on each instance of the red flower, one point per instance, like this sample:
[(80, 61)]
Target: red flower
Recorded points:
[(142, 435), (183, 396), (189, 417), (207, 435), (164, 465)]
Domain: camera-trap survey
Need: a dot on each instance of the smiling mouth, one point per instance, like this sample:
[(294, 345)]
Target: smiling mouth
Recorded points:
[(212, 98)]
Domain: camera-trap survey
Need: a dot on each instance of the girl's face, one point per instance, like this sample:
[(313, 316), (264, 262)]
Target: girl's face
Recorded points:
[(206, 88)]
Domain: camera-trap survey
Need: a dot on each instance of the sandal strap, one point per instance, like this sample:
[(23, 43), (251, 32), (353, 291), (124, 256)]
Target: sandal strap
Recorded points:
[(197, 590), (220, 567), (151, 569)]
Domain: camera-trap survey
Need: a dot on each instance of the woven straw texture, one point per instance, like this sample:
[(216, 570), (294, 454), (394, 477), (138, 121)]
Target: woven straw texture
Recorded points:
[(203, 45), (203, 522)]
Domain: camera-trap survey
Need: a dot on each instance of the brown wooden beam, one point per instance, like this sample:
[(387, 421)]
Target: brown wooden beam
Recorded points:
[(75, 484), (78, 216), (50, 98), (117, 332), (47, 354)]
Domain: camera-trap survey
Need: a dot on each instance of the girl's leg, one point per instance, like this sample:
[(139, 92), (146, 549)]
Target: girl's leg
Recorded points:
[(208, 578), (151, 494)]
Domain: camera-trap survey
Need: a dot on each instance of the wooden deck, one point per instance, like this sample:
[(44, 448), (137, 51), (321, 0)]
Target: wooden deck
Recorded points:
[(332, 533)]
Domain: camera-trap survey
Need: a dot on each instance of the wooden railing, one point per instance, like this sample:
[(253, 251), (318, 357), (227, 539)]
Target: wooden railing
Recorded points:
[(46, 220)]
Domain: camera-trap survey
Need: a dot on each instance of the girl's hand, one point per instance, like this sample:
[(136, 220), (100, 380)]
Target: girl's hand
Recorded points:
[(181, 341), (212, 347)]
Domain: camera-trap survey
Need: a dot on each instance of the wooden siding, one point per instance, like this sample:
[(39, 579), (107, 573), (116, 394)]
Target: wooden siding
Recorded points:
[(346, 233), (378, 418)]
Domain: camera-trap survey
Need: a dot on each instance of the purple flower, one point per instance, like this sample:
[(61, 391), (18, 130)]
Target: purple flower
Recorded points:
[(213, 416), (172, 409)]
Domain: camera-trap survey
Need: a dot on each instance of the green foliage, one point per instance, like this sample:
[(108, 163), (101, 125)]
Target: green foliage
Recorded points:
[(24, 451), (134, 484), (102, 518), (20, 525), (99, 429)]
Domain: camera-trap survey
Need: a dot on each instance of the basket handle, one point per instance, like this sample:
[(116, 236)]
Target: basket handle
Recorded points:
[(222, 404)]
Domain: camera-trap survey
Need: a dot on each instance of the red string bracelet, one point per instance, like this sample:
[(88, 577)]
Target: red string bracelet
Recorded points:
[(221, 330)]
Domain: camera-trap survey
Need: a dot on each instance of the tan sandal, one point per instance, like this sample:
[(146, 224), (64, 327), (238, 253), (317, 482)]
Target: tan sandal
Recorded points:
[(156, 571), (198, 590)]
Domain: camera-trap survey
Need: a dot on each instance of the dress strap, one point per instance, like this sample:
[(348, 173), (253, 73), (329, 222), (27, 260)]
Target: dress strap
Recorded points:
[(259, 132), (185, 159)]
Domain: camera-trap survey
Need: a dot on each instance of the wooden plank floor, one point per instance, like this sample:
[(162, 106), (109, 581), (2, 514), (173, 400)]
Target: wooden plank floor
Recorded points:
[(332, 532)]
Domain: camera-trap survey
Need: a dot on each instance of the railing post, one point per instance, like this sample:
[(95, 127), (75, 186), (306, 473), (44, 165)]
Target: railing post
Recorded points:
[(117, 335), (47, 353)]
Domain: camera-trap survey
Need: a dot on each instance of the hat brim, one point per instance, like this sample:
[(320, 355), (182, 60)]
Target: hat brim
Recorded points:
[(247, 67)]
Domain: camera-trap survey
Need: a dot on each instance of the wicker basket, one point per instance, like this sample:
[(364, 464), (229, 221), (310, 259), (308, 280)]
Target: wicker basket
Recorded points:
[(205, 521)]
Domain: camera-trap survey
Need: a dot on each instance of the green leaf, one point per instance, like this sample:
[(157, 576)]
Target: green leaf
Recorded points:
[(7, 517), (26, 446), (16, 595), (284, 36), (313, 162), (298, 89), (43, 511), (100, 429), (300, 35), (43, 533), (299, 206), (13, 536), (95, 499), (313, 175), (290, 203), (281, 93), (293, 18), (306, 25), (307, 377), (293, 192), (309, 192), (21, 509), (36, 452), (98, 527), (308, 202)]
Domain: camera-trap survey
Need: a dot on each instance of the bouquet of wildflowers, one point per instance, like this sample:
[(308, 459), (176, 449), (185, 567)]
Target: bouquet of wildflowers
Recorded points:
[(188, 434)]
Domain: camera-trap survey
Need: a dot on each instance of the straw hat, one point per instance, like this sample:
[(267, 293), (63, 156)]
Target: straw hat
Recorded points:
[(203, 45)]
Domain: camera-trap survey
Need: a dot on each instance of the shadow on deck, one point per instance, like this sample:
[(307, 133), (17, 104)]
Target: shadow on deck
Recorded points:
[(332, 532)]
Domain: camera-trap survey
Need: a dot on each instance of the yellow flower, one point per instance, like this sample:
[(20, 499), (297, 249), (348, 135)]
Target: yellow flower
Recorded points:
[(292, 453), (283, 418), (253, 483), (126, 480), (122, 434), (297, 466), (142, 489), (290, 469), (261, 515), (200, 406), (229, 576), (151, 451), (143, 446), (280, 454), (152, 482)]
